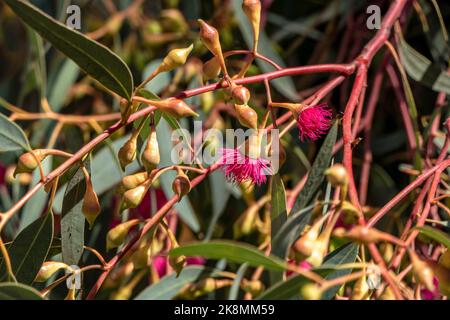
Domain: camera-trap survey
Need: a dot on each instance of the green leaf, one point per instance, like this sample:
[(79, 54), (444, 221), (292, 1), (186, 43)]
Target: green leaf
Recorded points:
[(435, 234), (316, 176), (234, 289), (232, 251), (66, 76), (72, 218), (95, 59), (421, 69), (18, 291), (284, 85), (12, 138), (29, 250), (278, 201), (169, 286), (290, 288)]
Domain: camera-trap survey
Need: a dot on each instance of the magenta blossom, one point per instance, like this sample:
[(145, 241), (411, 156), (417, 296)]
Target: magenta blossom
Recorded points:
[(238, 167), (314, 121), (431, 295)]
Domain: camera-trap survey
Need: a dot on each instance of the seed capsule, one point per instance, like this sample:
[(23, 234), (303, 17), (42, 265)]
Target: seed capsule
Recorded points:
[(181, 185), (176, 58), (127, 154), (241, 95), (246, 116), (48, 269), (135, 180), (150, 157), (337, 175), (28, 162), (91, 206), (116, 236)]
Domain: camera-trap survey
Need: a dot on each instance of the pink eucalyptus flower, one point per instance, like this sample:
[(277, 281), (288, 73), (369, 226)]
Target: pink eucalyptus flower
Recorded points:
[(314, 121), (238, 167)]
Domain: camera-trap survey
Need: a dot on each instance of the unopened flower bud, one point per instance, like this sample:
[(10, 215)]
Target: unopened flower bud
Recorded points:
[(181, 185), (310, 291), (207, 100), (30, 161), (141, 256), (252, 9), (48, 269), (246, 116), (361, 234), (177, 263), (241, 95), (422, 271), (135, 180), (254, 287), (211, 69), (210, 38), (175, 107), (350, 213), (116, 236), (246, 222), (127, 154), (23, 179), (176, 58), (150, 157), (337, 175), (305, 244), (361, 290), (91, 206), (133, 197), (388, 294)]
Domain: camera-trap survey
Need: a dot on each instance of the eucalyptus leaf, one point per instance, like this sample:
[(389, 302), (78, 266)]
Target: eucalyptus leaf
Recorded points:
[(232, 251), (435, 234), (72, 218), (95, 59), (12, 138), (18, 291), (29, 250), (316, 174)]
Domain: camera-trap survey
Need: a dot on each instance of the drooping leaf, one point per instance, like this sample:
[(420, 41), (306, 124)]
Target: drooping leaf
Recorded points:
[(18, 291), (421, 69), (290, 288), (435, 234), (95, 59), (234, 290), (316, 174), (72, 218), (169, 286), (12, 138), (29, 250), (231, 250)]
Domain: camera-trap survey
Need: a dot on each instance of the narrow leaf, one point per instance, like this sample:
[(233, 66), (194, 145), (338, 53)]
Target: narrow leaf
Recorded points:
[(316, 176), (18, 291), (232, 251), (95, 59), (72, 219), (12, 138), (436, 235)]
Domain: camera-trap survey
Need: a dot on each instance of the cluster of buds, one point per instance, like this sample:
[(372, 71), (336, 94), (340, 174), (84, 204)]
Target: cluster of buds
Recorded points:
[(245, 114)]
